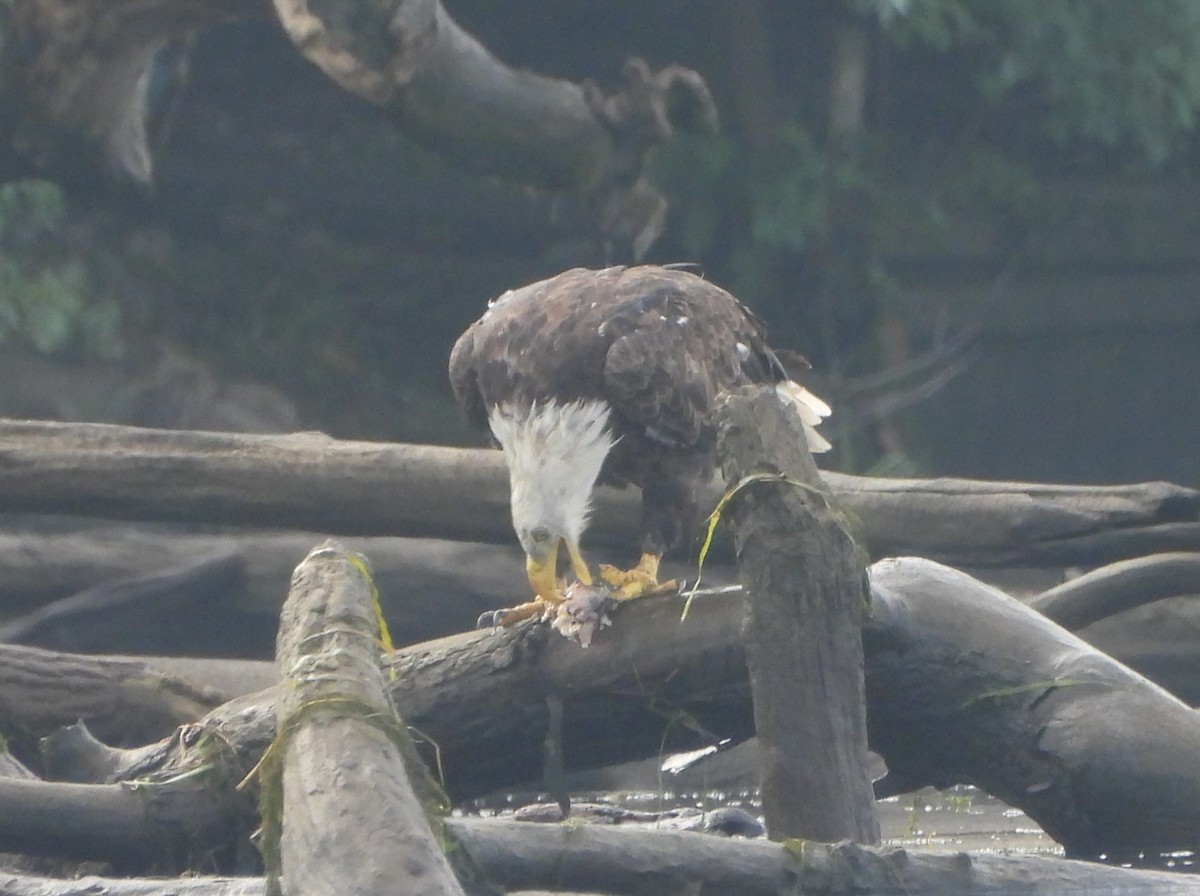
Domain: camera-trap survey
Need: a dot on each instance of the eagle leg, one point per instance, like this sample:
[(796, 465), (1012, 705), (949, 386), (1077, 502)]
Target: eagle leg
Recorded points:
[(546, 585), (641, 581)]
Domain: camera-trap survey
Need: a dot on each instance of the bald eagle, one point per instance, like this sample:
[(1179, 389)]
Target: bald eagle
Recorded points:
[(610, 376)]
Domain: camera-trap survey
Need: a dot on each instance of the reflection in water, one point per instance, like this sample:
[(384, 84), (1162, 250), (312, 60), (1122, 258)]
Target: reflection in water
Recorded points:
[(960, 819)]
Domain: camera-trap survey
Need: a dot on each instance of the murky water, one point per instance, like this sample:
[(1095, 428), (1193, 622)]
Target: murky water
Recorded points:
[(961, 819)]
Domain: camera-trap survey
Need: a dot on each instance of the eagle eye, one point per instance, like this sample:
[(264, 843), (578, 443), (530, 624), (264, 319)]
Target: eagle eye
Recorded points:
[(539, 534)]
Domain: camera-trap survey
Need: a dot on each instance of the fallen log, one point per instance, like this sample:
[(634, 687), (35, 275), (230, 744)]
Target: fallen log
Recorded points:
[(641, 862), (50, 702), (116, 613), (41, 563), (337, 774), (310, 481), (168, 826), (14, 884), (964, 685), (661, 863), (968, 685), (431, 588), (1142, 612), (480, 698), (965, 522), (428, 587), (126, 700)]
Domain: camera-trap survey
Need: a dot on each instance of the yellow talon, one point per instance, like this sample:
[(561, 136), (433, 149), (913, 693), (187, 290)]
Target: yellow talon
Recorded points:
[(512, 615), (641, 581)]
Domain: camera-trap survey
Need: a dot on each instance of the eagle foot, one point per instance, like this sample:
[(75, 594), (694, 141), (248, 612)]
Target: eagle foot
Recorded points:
[(641, 581), (512, 615)]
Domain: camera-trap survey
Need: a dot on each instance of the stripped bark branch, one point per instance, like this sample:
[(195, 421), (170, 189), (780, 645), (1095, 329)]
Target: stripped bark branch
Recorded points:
[(307, 480)]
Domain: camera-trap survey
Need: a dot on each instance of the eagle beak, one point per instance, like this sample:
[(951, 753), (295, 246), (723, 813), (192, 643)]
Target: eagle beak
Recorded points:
[(577, 563), (543, 574)]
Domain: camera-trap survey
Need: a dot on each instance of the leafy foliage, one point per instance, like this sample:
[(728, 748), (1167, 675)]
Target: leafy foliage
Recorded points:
[(1117, 74), (44, 299), (972, 107)]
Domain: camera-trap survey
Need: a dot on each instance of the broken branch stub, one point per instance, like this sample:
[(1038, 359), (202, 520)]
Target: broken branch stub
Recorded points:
[(805, 584)]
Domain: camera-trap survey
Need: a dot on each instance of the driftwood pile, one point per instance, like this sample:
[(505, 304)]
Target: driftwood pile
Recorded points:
[(963, 684)]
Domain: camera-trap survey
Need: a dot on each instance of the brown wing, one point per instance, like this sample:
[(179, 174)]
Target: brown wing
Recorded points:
[(536, 343), (675, 349), (463, 379), (657, 344)]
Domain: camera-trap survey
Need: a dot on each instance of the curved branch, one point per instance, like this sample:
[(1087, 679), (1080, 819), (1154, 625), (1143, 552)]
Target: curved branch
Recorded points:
[(1119, 586), (447, 91), (86, 86)]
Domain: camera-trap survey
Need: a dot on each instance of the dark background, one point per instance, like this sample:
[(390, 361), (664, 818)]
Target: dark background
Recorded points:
[(1027, 172)]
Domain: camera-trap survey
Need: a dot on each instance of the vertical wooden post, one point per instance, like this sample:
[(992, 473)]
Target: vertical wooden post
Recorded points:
[(806, 595), (350, 820)]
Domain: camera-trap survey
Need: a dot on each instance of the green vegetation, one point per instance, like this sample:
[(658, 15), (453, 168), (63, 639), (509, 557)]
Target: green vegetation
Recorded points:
[(968, 110), (1122, 76), (44, 300), (983, 99), (300, 243)]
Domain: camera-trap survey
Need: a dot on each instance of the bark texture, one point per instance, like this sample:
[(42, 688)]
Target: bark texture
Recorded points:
[(79, 97), (351, 821), (620, 861), (308, 480), (967, 685), (964, 685), (805, 585)]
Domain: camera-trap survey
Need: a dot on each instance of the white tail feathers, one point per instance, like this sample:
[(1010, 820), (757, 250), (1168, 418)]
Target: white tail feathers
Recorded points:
[(812, 411)]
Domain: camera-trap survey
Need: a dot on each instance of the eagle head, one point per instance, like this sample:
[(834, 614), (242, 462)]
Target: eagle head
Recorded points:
[(554, 453)]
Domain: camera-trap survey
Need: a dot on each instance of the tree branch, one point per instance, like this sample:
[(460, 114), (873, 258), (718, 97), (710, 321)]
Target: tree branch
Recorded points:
[(1119, 586), (86, 88)]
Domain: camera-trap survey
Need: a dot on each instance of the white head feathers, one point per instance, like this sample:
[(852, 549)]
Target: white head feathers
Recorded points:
[(554, 453)]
